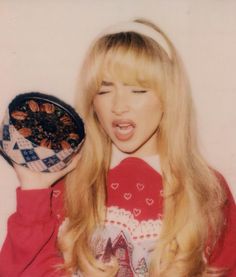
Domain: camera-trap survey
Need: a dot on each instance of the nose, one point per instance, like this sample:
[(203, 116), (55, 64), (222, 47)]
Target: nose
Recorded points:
[(120, 103)]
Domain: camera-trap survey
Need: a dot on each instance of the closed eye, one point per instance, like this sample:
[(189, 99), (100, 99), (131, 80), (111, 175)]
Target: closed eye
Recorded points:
[(139, 91), (103, 92)]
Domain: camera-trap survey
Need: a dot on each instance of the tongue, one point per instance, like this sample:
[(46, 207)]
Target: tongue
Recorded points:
[(124, 132), (124, 128)]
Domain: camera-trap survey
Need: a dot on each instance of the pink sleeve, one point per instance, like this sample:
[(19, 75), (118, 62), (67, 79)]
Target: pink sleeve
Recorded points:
[(224, 253), (30, 246)]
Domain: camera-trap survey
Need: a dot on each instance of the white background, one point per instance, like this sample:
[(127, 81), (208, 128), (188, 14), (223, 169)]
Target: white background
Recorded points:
[(42, 44)]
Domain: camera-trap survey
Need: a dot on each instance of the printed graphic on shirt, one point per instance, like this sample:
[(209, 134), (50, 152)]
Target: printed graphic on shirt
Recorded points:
[(129, 240)]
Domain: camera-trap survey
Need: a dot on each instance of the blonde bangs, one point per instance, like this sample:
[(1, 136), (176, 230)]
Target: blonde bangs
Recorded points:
[(132, 68), (134, 60)]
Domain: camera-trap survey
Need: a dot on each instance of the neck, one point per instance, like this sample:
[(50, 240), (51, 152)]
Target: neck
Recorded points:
[(117, 156)]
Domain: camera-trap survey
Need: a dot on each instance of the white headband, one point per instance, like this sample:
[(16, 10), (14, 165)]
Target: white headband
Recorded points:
[(141, 29)]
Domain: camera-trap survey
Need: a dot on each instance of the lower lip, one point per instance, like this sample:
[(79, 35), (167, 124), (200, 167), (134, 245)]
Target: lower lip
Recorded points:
[(124, 134)]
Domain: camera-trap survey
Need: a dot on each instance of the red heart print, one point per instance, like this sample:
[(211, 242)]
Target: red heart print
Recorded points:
[(149, 201), (140, 186), (56, 193), (114, 185), (137, 212), (127, 195)]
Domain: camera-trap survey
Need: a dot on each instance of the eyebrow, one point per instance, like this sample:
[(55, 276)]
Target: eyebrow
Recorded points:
[(106, 83)]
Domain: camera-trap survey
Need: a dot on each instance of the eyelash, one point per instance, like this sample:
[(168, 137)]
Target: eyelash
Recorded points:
[(134, 91), (139, 91), (102, 92)]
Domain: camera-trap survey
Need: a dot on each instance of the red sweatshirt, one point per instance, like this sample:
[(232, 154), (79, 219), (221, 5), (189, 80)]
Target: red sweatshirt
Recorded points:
[(133, 223)]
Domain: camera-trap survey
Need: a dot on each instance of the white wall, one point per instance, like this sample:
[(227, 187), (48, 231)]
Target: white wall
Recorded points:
[(43, 42)]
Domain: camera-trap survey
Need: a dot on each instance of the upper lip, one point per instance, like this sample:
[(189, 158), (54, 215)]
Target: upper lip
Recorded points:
[(118, 122)]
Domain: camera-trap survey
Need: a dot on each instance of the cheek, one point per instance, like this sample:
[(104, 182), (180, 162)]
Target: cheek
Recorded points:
[(151, 117), (97, 107), (152, 110), (101, 114), (101, 105)]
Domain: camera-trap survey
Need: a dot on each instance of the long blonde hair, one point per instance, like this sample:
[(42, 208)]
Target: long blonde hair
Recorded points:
[(193, 197)]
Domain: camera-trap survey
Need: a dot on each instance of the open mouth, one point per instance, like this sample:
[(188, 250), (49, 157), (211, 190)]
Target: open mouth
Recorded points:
[(123, 130)]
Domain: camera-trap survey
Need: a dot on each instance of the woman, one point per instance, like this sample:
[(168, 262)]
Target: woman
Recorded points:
[(141, 200)]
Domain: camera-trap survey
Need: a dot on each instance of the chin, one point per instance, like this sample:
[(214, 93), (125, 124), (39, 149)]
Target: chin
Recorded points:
[(127, 149)]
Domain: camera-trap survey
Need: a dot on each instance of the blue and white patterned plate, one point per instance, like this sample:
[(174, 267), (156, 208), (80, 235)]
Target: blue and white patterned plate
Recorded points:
[(25, 151)]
